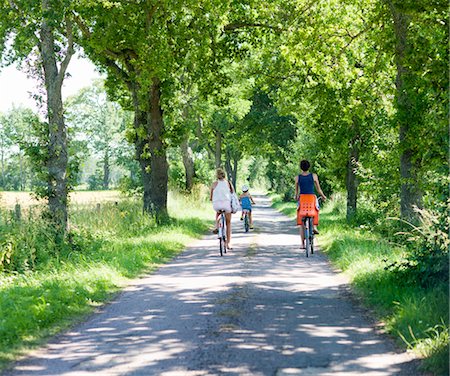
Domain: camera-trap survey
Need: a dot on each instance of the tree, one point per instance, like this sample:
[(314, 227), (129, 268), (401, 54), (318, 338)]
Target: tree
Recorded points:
[(141, 46), (48, 26), (421, 46), (144, 47), (100, 122), (15, 131)]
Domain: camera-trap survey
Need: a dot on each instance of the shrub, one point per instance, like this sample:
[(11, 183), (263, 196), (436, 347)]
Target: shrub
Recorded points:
[(30, 243), (426, 259), (95, 182)]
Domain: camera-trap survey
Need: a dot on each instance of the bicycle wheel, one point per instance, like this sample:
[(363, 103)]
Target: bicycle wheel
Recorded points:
[(311, 234), (246, 225), (307, 238), (224, 233)]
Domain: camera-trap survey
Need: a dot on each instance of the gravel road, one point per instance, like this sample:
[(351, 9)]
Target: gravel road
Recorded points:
[(262, 309)]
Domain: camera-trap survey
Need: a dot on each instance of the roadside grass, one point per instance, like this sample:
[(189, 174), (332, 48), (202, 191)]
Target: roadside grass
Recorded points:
[(112, 244), (418, 318)]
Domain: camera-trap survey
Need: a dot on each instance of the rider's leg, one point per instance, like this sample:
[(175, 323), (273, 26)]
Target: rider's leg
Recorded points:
[(250, 217), (216, 228), (316, 231), (302, 235), (228, 221)]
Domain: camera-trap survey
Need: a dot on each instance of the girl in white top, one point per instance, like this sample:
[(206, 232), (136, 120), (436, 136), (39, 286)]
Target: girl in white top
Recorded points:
[(220, 196)]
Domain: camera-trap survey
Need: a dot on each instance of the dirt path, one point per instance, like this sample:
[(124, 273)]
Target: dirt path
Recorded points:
[(263, 309)]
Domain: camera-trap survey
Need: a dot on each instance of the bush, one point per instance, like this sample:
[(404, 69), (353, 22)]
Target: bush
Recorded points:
[(28, 244), (95, 182), (131, 185), (426, 259)]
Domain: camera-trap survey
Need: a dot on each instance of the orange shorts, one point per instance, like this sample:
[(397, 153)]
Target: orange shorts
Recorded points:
[(307, 208)]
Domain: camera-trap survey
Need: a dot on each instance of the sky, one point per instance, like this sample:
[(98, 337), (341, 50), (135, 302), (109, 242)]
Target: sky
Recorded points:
[(15, 87)]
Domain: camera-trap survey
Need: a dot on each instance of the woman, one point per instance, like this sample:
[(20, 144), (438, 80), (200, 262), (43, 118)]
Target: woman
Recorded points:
[(220, 196), (305, 184)]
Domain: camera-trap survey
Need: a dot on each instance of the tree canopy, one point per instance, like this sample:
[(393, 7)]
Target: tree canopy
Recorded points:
[(358, 88)]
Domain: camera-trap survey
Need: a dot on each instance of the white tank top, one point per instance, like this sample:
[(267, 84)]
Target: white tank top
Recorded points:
[(222, 191)]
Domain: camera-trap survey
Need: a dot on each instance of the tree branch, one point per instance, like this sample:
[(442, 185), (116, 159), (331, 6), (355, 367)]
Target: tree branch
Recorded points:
[(244, 25), (69, 53), (107, 55), (149, 15), (83, 27)]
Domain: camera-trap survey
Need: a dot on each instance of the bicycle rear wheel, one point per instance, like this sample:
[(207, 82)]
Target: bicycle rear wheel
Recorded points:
[(311, 234), (224, 233), (307, 238), (222, 246), (246, 225)]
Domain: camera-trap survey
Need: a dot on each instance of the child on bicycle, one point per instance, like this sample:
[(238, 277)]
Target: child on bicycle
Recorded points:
[(246, 201)]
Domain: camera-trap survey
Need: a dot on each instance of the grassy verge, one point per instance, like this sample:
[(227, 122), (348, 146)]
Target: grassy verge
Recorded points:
[(415, 316), (111, 244)]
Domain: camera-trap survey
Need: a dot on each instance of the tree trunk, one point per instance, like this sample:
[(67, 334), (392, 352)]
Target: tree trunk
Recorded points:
[(22, 180), (352, 180), (218, 151), (106, 170), (410, 193), (235, 167), (3, 167), (188, 162), (57, 134), (140, 120), (158, 161), (231, 168), (140, 123)]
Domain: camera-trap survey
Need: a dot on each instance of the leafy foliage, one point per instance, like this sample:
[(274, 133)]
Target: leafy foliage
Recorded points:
[(426, 262)]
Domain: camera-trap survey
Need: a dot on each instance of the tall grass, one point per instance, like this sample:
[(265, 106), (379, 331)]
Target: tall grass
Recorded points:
[(44, 287), (416, 315)]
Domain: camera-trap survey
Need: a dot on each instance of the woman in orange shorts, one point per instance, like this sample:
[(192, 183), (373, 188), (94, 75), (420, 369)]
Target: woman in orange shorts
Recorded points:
[(305, 183)]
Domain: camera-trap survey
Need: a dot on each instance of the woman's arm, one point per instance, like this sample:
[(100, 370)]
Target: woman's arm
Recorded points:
[(318, 189), (214, 185), (231, 187)]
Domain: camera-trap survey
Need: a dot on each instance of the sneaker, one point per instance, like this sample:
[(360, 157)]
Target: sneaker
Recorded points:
[(215, 231), (315, 231), (251, 227), (242, 218)]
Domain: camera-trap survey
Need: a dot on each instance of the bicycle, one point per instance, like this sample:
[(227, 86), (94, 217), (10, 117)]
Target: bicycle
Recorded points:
[(222, 232), (246, 221), (308, 211)]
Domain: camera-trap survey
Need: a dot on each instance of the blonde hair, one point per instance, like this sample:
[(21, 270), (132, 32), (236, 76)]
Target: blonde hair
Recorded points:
[(220, 173)]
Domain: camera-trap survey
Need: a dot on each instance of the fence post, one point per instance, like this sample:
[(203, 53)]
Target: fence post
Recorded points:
[(17, 212)]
